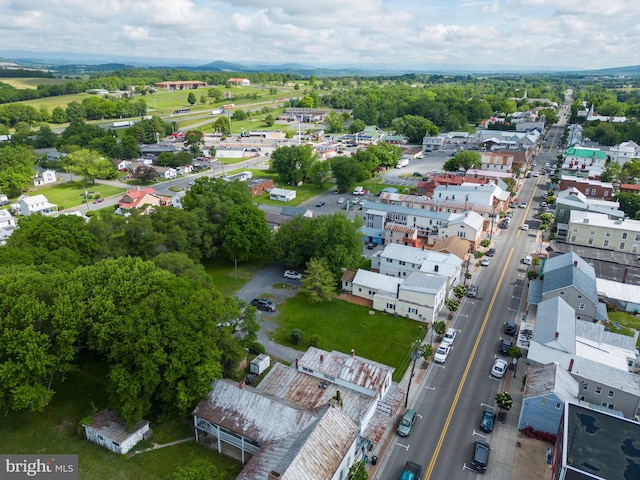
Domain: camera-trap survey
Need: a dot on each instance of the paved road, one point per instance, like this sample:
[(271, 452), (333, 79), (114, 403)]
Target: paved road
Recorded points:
[(442, 438)]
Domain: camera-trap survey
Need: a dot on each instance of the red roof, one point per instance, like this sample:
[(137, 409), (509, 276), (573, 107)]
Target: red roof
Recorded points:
[(132, 198), (629, 186)]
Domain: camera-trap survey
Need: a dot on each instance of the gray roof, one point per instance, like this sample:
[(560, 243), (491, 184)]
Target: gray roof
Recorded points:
[(596, 332), (550, 379), (534, 295), (292, 211), (600, 445), (422, 282), (569, 270), (556, 325), (418, 212)]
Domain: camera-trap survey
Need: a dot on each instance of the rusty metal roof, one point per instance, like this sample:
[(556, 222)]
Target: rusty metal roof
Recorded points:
[(108, 424)]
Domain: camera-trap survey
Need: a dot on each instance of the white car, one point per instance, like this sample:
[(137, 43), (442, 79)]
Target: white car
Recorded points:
[(449, 337), (442, 353), (341, 201), (524, 226), (535, 174), (523, 205), (485, 262), (293, 275), (527, 260), (543, 204), (499, 368)]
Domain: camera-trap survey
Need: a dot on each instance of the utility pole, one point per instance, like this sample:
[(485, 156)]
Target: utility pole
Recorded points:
[(415, 353)]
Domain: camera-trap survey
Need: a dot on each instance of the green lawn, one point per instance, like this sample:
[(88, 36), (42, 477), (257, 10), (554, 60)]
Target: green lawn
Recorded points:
[(56, 431), (71, 194), (52, 102), (228, 277), (627, 322), (342, 326)]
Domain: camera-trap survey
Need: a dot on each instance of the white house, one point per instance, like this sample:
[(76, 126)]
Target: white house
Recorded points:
[(7, 225), (282, 194), (176, 200), (44, 177), (166, 172), (38, 204), (625, 152), (123, 165), (500, 162), (184, 169), (108, 430)]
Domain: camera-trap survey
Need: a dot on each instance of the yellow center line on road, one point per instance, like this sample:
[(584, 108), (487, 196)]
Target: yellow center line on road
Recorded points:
[(454, 404), (526, 211)]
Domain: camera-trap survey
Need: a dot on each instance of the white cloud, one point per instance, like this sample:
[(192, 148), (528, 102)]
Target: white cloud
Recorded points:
[(399, 33)]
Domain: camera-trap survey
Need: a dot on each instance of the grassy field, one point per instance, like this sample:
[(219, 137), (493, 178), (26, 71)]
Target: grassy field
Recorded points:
[(228, 277), (627, 323), (56, 431), (52, 102), (34, 82), (342, 326), (71, 194)]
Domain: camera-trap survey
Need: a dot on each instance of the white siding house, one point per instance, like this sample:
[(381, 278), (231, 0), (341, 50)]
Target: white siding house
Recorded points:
[(282, 195), (109, 431), (38, 204)]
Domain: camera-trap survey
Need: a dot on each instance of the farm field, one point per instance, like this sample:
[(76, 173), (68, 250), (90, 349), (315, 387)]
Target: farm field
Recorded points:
[(34, 82)]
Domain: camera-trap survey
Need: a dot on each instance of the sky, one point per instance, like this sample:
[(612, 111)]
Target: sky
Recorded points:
[(413, 35)]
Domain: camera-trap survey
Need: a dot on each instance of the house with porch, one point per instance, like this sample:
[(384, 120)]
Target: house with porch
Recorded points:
[(35, 205)]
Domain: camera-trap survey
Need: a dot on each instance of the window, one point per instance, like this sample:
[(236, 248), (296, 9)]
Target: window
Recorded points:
[(592, 232), (622, 244), (371, 292), (586, 191), (598, 390), (607, 233), (585, 386), (391, 306), (435, 268), (573, 238), (634, 248), (593, 191), (579, 296), (605, 243), (575, 230), (610, 394), (359, 289), (637, 237), (606, 193), (590, 242), (413, 310), (561, 213), (608, 405), (401, 262), (624, 235), (558, 405), (582, 306)]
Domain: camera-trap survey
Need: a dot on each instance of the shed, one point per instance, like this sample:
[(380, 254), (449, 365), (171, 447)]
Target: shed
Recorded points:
[(108, 430), (260, 364), (282, 195)]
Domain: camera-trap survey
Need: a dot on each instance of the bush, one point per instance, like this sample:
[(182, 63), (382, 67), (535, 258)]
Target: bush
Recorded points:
[(297, 336), (314, 341), (256, 347), (539, 435), (478, 255)]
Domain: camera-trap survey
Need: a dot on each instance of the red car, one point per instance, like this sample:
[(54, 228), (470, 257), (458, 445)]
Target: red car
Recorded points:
[(98, 200)]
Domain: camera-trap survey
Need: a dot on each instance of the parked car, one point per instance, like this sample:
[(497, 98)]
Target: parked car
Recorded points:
[(98, 200), (510, 328), (505, 345), (488, 416), (449, 337), (504, 224), (524, 226), (442, 353), (341, 200), (320, 204), (527, 260), (523, 205), (491, 252), (485, 262), (480, 458), (499, 368), (543, 204), (408, 419), (264, 304), (417, 174), (472, 291), (371, 245), (293, 275), (536, 174)]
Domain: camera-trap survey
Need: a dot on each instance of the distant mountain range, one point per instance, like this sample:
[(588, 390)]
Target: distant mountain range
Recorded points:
[(73, 63)]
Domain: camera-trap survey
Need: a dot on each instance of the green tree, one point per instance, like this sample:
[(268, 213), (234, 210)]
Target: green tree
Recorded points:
[(16, 169), (245, 234), (504, 400), (293, 163), (45, 138), (356, 126), (320, 172), (269, 120), (194, 139), (440, 327), (415, 127), (459, 291), (358, 471), (546, 218), (463, 160), (166, 159), (59, 115), (76, 111), (334, 122), (90, 165), (630, 171), (452, 305), (191, 98), (203, 99), (239, 115), (612, 172), (318, 282), (347, 172), (221, 125), (629, 204), (297, 336)]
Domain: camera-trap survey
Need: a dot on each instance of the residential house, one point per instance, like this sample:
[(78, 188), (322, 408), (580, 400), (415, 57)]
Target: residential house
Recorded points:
[(624, 152), (569, 277), (176, 200), (401, 260), (602, 362), (629, 188), (570, 200), (184, 169), (595, 444), (44, 176), (7, 225), (583, 162), (108, 430), (146, 197), (432, 143), (38, 204), (282, 194), (167, 173), (574, 137), (419, 297), (500, 162), (598, 230), (546, 390), (239, 82), (468, 226), (260, 186), (591, 188)]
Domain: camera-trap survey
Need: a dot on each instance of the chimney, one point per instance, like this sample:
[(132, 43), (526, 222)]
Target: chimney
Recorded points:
[(353, 352), (556, 335), (273, 475), (242, 385), (575, 263), (322, 357), (296, 364), (570, 365)]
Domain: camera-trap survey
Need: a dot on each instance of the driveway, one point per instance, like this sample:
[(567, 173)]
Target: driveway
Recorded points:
[(261, 285)]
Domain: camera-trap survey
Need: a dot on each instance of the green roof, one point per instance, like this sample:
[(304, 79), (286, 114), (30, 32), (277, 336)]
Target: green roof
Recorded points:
[(585, 153)]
